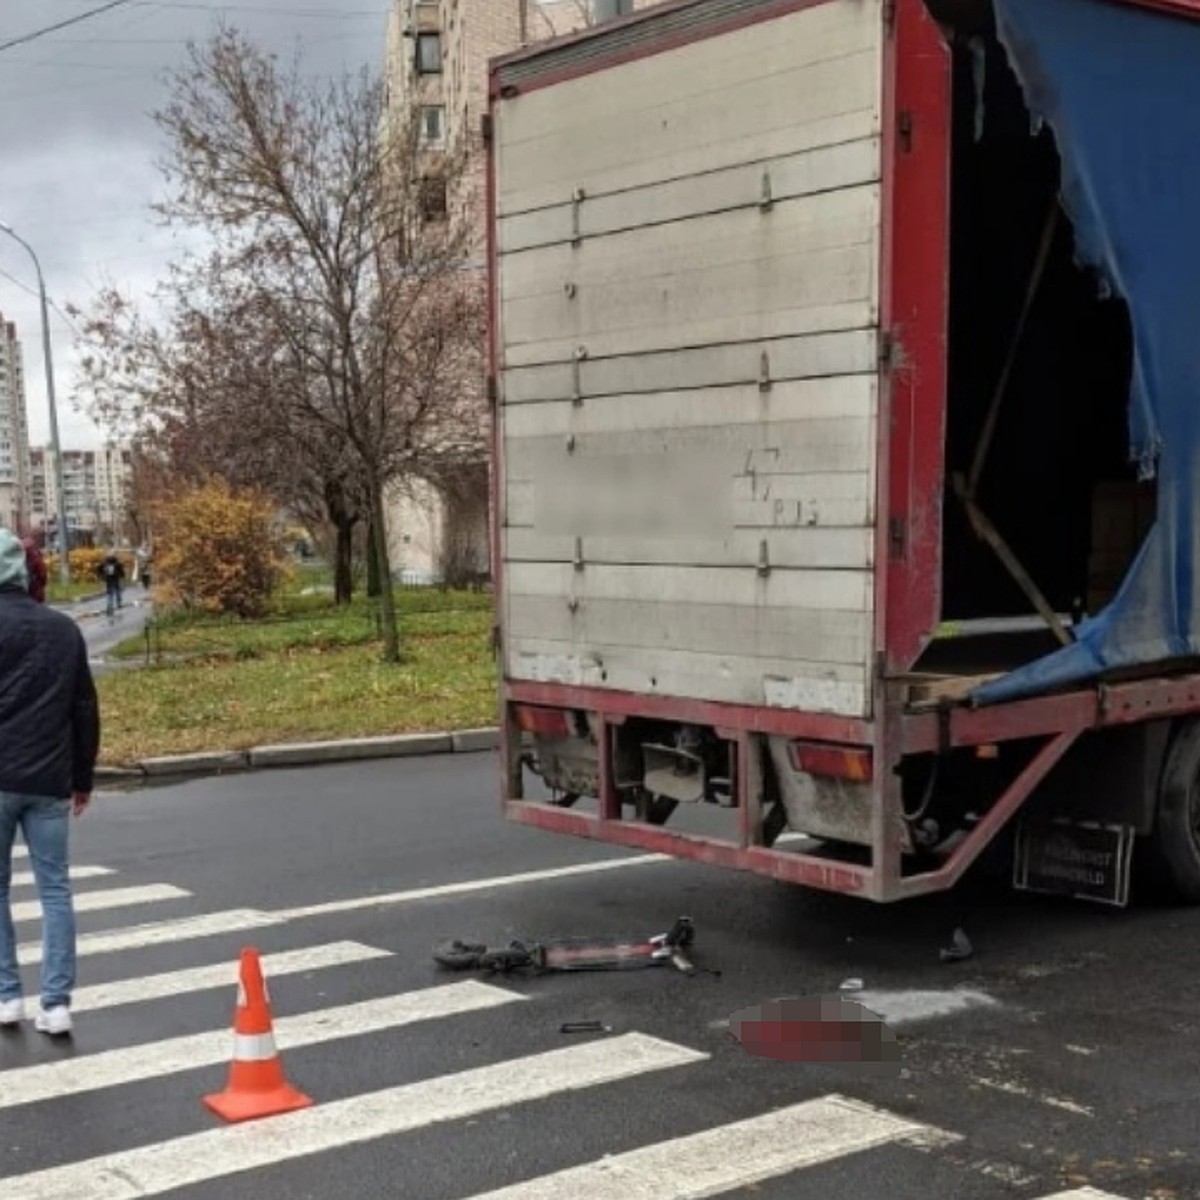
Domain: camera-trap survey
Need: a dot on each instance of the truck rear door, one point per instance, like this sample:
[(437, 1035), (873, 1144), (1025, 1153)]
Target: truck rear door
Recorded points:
[(687, 231)]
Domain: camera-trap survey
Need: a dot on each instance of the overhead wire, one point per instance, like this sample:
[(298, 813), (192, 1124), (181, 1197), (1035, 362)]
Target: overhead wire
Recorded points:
[(25, 38), (50, 302)]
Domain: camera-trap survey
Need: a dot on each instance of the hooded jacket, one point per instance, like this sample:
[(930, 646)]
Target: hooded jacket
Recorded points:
[(49, 714)]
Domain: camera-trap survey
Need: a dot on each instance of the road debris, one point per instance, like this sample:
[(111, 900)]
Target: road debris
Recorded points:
[(960, 947)]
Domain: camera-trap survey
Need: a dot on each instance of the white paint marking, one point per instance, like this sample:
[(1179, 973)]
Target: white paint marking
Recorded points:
[(1005, 1172), (437, 891), (198, 979), (112, 1068), (726, 1158), (1087, 1051), (28, 879), (219, 1153), (1015, 1089), (1084, 1193), (238, 920), (158, 933), (907, 1007), (30, 910), (20, 851)]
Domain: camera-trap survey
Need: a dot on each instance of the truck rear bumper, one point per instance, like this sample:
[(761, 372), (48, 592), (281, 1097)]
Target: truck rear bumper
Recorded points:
[(879, 872)]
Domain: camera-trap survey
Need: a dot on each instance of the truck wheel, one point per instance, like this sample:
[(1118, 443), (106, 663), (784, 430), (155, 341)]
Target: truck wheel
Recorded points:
[(1175, 843)]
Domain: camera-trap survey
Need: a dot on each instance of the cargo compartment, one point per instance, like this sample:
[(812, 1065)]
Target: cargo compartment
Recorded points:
[(814, 442), (688, 267)]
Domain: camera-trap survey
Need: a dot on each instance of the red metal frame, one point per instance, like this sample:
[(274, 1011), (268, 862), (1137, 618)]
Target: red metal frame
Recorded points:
[(747, 717), (1102, 707), (914, 292), (777, 864)]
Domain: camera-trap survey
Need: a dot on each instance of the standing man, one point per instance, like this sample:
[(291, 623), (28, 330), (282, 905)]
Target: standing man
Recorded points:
[(49, 739)]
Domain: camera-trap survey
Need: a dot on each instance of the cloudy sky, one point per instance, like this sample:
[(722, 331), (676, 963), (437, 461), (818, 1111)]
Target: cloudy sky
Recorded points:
[(78, 148)]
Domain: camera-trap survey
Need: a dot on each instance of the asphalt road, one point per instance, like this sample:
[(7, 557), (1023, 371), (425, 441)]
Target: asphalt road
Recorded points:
[(103, 633), (1071, 1062)]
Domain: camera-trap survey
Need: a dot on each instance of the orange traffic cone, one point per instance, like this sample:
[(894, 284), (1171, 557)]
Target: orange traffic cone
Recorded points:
[(257, 1086)]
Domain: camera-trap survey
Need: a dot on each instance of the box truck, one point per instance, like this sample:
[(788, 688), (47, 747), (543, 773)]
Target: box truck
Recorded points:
[(845, 369)]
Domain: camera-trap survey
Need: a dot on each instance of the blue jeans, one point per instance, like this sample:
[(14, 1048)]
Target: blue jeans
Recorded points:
[(45, 823)]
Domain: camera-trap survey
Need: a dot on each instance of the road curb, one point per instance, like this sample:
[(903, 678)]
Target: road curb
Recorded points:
[(300, 754)]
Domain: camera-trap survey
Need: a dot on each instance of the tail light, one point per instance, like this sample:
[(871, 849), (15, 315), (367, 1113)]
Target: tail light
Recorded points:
[(551, 722), (838, 762)]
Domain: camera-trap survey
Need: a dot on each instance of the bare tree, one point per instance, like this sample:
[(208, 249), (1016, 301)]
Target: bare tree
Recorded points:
[(338, 284), (203, 392), (580, 15)]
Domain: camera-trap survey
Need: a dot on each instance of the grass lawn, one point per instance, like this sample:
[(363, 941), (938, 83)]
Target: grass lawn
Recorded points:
[(57, 593), (306, 672)]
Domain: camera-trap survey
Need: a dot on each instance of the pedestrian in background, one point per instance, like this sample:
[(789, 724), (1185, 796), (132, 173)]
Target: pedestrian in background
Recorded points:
[(49, 741), (35, 565), (112, 571)]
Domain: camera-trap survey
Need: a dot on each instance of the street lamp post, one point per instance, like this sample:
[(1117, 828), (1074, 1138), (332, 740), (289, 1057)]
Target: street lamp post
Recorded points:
[(64, 566)]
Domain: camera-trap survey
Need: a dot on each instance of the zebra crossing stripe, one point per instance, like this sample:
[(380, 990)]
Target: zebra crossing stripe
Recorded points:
[(27, 879), (1084, 1193), (240, 920), (30, 910), (159, 933), (218, 1153), (729, 1157), (198, 979), (152, 1060)]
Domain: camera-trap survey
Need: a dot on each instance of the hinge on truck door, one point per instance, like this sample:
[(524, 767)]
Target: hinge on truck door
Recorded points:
[(577, 200), (766, 199), (577, 361), (896, 532), (904, 124)]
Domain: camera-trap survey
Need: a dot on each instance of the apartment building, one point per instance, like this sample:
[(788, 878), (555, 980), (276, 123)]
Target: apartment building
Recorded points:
[(14, 433), (96, 484), (436, 72)]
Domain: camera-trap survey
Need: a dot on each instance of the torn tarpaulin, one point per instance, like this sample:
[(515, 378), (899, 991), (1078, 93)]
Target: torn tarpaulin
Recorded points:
[(1120, 87)]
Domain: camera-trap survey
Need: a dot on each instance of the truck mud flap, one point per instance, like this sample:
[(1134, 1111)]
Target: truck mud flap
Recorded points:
[(1081, 859)]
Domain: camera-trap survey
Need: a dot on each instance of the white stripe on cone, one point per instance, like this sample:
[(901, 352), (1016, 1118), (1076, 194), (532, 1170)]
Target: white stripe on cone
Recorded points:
[(253, 1047)]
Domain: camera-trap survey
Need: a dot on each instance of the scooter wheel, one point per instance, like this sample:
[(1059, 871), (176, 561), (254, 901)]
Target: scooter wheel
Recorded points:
[(458, 956)]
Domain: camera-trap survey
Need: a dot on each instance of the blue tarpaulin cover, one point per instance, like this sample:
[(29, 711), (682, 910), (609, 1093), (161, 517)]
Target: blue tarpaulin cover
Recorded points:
[(1120, 87)]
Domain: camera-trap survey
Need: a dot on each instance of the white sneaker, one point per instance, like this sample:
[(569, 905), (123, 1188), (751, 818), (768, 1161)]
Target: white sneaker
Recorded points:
[(54, 1021), (12, 1012)]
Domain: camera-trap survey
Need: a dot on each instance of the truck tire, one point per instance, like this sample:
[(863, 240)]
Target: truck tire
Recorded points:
[(1175, 842)]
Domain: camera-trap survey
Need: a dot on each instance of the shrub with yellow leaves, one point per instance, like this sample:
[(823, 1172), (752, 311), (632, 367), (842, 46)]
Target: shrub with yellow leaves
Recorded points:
[(217, 549)]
